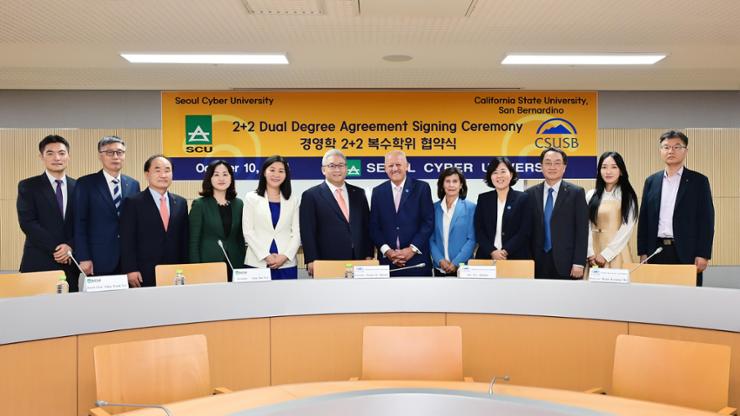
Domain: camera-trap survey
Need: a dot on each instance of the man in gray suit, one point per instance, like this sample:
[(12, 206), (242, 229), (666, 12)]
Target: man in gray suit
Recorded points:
[(559, 221)]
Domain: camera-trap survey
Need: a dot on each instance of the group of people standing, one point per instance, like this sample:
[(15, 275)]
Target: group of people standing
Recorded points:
[(113, 227)]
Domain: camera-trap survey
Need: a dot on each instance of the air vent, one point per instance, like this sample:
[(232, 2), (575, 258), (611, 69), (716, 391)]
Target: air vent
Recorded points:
[(285, 7)]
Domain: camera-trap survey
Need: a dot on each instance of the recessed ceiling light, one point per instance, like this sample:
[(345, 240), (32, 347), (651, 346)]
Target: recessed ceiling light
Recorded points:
[(583, 59), (227, 59), (397, 58)]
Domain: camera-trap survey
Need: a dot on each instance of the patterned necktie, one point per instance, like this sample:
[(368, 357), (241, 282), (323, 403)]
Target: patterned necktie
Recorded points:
[(117, 196), (342, 204), (60, 196), (548, 216), (163, 212)]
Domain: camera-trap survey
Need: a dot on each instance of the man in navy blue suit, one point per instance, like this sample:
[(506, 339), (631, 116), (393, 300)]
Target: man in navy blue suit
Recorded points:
[(98, 206), (402, 218), (45, 214), (677, 212), (334, 216), (154, 226)]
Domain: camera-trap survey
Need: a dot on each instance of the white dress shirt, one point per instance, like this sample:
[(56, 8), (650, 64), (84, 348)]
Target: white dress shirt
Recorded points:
[(668, 194), (111, 185), (446, 221), (65, 200), (500, 207)]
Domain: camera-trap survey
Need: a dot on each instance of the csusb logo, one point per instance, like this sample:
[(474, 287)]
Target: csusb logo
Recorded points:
[(198, 133), (557, 132)]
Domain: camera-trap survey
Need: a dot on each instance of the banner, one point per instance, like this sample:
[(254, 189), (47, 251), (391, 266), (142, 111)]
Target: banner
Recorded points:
[(436, 129)]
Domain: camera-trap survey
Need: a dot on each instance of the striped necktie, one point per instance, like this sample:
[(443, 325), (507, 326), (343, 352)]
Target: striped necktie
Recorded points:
[(117, 196)]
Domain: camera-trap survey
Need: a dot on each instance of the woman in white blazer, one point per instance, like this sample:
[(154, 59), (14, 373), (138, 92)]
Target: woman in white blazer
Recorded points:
[(270, 221)]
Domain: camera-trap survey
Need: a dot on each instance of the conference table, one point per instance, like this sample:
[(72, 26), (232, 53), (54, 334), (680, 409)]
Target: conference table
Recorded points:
[(410, 398), (278, 335)]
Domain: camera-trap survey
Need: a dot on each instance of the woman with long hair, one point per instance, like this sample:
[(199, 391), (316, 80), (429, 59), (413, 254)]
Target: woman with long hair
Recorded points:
[(271, 221), (217, 215), (612, 210)]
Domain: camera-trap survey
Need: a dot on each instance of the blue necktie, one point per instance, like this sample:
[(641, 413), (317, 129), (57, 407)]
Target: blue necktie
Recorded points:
[(59, 196), (117, 196), (548, 217)]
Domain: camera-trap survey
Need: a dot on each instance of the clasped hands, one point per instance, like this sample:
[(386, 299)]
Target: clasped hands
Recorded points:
[(400, 257), (275, 260)]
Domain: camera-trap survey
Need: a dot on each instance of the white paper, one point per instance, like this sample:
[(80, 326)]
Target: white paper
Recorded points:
[(251, 275), (371, 272), (105, 283), (477, 272), (606, 275)]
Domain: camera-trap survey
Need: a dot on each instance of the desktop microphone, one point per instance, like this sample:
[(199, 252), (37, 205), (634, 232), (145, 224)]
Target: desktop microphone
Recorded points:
[(83, 276), (103, 403), (656, 252), (220, 244), (415, 266), (493, 381)]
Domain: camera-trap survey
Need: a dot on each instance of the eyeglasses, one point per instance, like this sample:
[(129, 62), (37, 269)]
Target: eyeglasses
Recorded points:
[(675, 148), (333, 166), (111, 153)]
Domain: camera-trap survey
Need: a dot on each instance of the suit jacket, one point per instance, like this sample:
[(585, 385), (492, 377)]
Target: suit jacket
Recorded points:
[(144, 241), (259, 232), (568, 225), (44, 226), (326, 234), (206, 228), (461, 238), (412, 224), (97, 223), (516, 225), (693, 216)]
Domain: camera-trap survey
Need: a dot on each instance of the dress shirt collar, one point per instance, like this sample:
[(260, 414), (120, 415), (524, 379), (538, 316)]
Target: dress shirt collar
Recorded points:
[(556, 187), (678, 173), (443, 204), (394, 187), (156, 195), (53, 180), (109, 178), (334, 188)]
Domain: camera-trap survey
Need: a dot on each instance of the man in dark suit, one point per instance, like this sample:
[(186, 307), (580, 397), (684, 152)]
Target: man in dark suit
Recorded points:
[(677, 212), (559, 221), (45, 214), (402, 218), (334, 216), (154, 226), (98, 205)]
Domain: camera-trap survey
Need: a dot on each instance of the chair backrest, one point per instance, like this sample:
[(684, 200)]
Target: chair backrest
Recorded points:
[(332, 269), (194, 273), (28, 284), (682, 373), (666, 274), (412, 353), (523, 269), (152, 371)]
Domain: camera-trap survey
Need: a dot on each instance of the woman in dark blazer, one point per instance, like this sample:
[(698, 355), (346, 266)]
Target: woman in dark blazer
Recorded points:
[(217, 216), (501, 216)]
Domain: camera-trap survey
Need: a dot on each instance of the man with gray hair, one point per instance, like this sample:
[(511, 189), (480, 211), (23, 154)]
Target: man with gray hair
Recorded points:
[(334, 216), (99, 201), (402, 218)]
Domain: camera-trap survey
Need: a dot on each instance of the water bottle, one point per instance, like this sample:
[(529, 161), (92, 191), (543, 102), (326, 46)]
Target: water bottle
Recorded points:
[(459, 268), (348, 271), (62, 285), (179, 277)]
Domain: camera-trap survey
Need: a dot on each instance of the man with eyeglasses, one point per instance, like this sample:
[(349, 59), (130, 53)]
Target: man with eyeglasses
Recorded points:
[(559, 240), (677, 212), (99, 202), (334, 216)]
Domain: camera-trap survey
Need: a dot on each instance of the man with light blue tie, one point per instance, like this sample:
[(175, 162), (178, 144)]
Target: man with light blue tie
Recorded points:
[(99, 201), (559, 221)]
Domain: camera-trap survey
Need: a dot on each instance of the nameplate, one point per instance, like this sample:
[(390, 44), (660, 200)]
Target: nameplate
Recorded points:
[(606, 275), (477, 272), (105, 283), (251, 275), (371, 272)]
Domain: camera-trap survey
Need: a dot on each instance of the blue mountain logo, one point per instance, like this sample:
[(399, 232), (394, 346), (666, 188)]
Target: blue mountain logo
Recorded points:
[(559, 129), (556, 126)]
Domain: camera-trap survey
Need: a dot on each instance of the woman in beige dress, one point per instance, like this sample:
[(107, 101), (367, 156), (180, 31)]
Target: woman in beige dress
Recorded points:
[(612, 210)]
